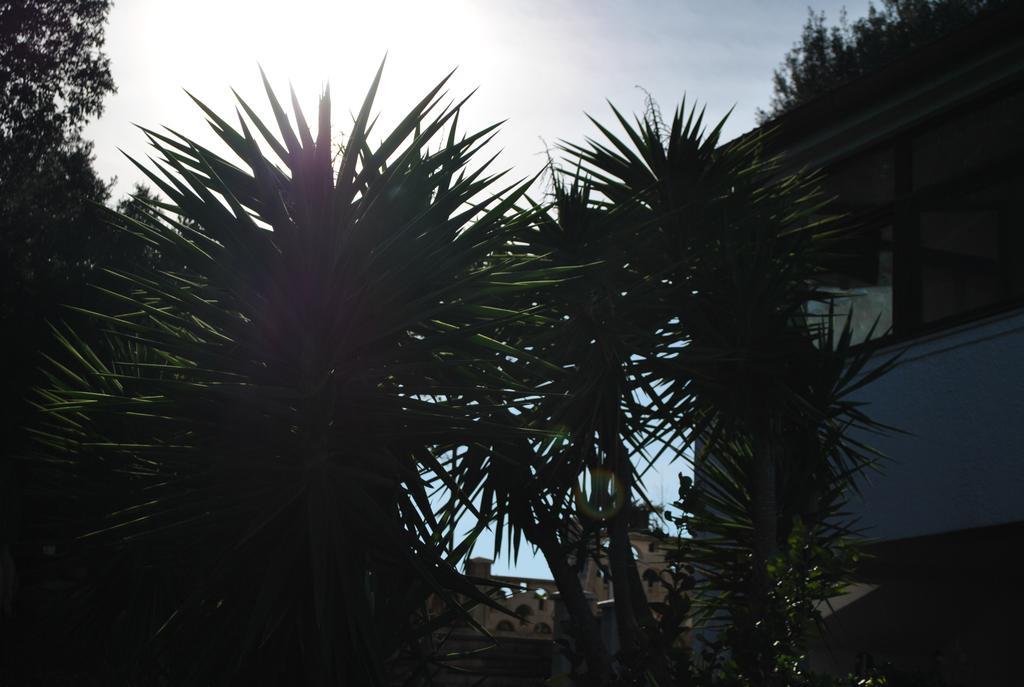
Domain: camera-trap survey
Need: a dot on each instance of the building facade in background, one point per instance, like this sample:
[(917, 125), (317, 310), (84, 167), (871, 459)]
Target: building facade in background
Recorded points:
[(924, 156), (525, 654)]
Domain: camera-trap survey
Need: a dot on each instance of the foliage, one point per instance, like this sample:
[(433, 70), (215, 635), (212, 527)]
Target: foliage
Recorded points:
[(758, 616), (724, 253), (684, 322), (258, 437), (265, 515), (737, 649), (828, 56), (715, 225), (53, 73), (532, 488), (53, 77)]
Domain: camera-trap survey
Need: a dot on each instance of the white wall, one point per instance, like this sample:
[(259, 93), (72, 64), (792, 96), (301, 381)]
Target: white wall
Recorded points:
[(960, 395)]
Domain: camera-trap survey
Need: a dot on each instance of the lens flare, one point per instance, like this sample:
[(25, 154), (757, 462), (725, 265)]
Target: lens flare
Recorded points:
[(599, 494)]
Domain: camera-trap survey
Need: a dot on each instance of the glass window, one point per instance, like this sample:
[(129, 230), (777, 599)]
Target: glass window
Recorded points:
[(861, 288), (970, 254), (959, 144), (959, 263), (863, 183)]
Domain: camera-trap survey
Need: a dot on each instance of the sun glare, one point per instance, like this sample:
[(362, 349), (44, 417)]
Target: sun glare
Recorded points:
[(344, 41), (209, 48)]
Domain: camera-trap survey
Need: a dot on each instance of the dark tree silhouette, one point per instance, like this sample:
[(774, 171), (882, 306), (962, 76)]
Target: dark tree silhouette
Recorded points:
[(53, 78), (828, 56), (53, 72)]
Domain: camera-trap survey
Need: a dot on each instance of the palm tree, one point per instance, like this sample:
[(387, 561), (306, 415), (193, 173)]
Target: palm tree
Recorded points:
[(261, 463), (687, 324), (244, 462), (655, 231), (531, 487), (762, 614)]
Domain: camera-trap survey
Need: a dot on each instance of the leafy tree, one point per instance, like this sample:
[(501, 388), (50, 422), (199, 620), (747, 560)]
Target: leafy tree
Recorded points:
[(53, 77), (53, 73), (828, 56)]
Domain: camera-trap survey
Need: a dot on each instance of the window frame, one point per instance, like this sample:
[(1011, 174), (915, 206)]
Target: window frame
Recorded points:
[(903, 214)]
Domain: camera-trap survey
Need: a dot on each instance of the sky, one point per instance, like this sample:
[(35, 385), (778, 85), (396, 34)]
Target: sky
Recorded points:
[(538, 65)]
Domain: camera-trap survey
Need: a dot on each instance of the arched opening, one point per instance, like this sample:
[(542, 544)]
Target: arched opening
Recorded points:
[(542, 628), (524, 612), (506, 626)]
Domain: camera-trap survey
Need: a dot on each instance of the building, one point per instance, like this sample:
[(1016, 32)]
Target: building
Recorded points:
[(532, 598), (524, 651), (925, 156)]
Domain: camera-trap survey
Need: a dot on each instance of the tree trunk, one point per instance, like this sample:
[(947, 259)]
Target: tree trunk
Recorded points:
[(619, 558), (632, 611), (586, 630), (764, 517), (765, 547)]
